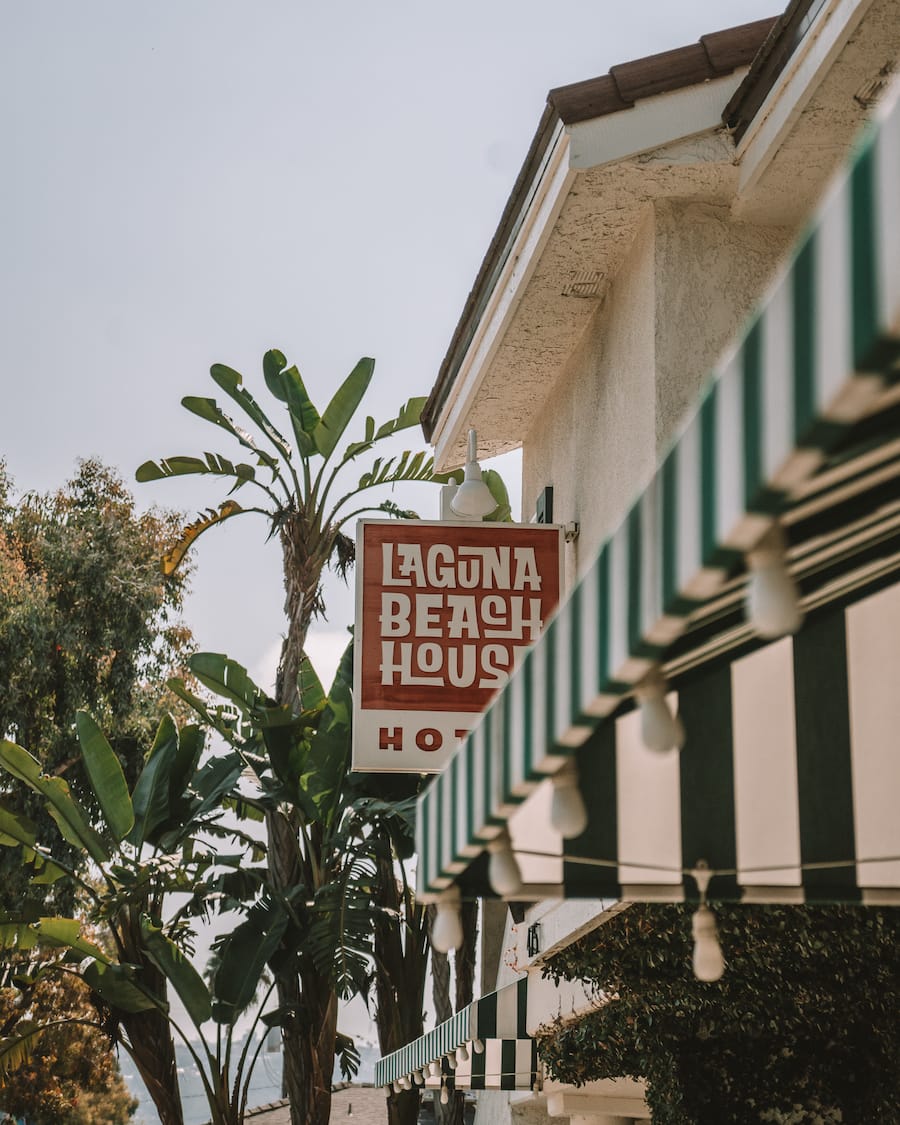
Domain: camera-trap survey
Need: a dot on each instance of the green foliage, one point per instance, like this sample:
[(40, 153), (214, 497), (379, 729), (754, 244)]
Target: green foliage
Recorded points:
[(298, 479), (298, 476), (801, 1028), (157, 842), (67, 1076), (301, 760), (87, 620)]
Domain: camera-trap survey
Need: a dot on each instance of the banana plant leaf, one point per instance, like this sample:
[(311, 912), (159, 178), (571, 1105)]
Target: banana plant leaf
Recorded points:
[(191, 739), (242, 957), (286, 384), (176, 968), (231, 383), (151, 793), (210, 411), (172, 559), (43, 871), (17, 1049), (312, 694), (115, 984), (106, 777), (342, 407), (228, 679), (62, 806), (330, 748), (15, 828)]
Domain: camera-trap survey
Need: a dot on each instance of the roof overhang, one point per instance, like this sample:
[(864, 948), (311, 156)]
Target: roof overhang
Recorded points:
[(577, 221), (606, 149)]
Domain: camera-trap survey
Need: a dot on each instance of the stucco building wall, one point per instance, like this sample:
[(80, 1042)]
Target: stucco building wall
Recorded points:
[(690, 279)]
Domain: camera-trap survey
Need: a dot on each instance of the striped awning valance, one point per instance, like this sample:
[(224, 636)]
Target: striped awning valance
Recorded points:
[(800, 426), (495, 1023)]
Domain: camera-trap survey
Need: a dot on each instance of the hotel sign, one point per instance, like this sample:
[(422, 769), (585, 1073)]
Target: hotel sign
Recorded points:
[(443, 610)]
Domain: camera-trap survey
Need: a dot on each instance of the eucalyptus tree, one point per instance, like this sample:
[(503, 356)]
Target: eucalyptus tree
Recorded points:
[(157, 840), (86, 620)]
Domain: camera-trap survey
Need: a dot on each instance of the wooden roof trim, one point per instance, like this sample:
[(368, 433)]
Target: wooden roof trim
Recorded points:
[(769, 63)]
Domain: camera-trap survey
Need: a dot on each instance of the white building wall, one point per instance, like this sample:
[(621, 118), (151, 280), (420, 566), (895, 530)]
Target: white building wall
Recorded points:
[(690, 281)]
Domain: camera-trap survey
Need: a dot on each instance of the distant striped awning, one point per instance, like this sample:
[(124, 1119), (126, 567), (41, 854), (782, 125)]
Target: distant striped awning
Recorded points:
[(497, 1022), (801, 424)]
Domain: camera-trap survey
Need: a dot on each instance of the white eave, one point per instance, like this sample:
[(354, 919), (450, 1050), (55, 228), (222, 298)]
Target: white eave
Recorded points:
[(501, 400)]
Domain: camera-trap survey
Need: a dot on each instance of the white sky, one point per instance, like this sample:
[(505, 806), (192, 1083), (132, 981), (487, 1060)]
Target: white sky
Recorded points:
[(196, 181)]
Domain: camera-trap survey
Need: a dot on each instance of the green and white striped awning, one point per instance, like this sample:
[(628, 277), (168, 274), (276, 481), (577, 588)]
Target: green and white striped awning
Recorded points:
[(508, 1060), (801, 424)]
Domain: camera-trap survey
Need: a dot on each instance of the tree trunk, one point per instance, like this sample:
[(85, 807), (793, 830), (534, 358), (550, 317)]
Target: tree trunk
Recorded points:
[(464, 972), (153, 1052), (399, 979), (310, 1006)]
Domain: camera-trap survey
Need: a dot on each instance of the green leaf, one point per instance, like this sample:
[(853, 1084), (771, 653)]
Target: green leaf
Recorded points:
[(15, 828), (343, 406), (151, 793), (231, 383), (243, 955), (288, 751), (497, 486), (190, 747), (409, 415), (106, 777), (329, 752), (180, 466), (178, 970), (68, 814), (312, 694), (217, 778), (65, 933), (228, 679), (44, 871), (287, 386), (115, 985)]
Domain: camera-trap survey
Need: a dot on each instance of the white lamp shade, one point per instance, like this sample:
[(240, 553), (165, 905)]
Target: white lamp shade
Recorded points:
[(473, 498), (447, 931), (773, 600), (503, 868), (661, 731), (568, 815)]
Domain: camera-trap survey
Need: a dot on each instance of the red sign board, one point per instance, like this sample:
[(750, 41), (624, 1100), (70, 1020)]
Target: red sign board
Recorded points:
[(443, 610)]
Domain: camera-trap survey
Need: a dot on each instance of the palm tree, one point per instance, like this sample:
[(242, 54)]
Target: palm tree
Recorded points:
[(298, 488)]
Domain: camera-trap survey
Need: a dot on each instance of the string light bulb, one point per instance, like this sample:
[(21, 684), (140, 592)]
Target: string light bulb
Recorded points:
[(447, 931), (398, 1086), (451, 1059), (478, 1046), (445, 1094), (708, 960), (661, 731), (462, 1054), (473, 498), (568, 815), (503, 867), (773, 600), (709, 963), (418, 1077)]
